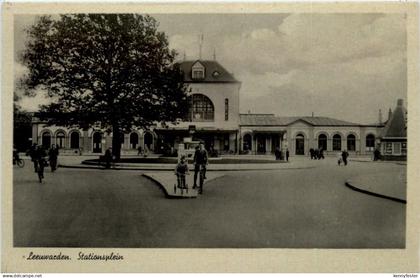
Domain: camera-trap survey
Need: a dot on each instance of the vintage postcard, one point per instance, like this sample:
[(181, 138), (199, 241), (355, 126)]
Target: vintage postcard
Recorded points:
[(237, 137)]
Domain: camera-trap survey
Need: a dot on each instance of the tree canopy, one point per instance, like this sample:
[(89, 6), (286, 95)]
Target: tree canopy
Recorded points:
[(116, 70)]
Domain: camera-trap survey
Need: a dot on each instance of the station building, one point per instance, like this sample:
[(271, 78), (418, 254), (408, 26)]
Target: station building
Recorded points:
[(214, 119)]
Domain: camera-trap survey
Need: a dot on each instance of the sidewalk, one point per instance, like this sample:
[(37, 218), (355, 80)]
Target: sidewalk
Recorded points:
[(390, 185)]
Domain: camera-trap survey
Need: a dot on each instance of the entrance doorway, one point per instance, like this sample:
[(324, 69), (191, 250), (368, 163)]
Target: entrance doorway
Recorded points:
[(97, 142), (261, 144), (275, 142), (300, 144)]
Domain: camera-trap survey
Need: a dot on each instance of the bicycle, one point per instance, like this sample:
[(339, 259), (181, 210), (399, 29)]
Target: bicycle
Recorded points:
[(19, 162)]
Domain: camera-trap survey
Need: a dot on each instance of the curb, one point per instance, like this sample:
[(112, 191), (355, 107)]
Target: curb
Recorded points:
[(160, 169), (167, 195), (349, 185)]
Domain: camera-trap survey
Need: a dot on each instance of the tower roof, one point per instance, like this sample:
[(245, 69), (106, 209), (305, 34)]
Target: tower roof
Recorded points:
[(213, 72), (396, 125)]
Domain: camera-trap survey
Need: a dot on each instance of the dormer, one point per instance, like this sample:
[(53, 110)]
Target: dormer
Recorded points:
[(198, 71)]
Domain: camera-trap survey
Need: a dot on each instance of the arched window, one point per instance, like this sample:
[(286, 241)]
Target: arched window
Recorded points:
[(46, 139), (322, 142), (201, 109), (134, 140), (74, 140), (148, 141), (247, 142), (59, 139), (370, 142), (97, 142), (336, 142), (300, 144), (351, 142)]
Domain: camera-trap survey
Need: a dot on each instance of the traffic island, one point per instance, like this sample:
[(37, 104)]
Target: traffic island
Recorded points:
[(168, 183), (389, 185)]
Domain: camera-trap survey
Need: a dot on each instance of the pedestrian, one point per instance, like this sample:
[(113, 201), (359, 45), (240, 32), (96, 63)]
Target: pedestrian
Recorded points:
[(108, 158), (181, 170), (312, 152), (52, 157), (139, 150), (277, 153), (376, 155), (321, 153), (32, 154), (200, 164), (339, 158), (287, 155), (316, 154), (345, 155), (41, 162)]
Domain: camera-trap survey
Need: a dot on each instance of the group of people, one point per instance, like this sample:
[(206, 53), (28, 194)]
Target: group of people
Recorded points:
[(41, 157), (317, 153), (200, 162), (279, 154)]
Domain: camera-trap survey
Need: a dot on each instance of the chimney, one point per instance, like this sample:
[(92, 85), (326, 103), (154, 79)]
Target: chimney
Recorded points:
[(380, 117), (389, 114), (400, 102)]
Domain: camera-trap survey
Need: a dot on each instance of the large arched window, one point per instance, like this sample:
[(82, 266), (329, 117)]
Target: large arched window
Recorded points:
[(351, 142), (336, 142), (46, 139), (201, 109), (247, 142), (370, 142), (134, 140), (322, 142), (74, 140), (59, 139)]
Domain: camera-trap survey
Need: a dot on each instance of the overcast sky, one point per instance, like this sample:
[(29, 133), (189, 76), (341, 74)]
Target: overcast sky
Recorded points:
[(345, 66)]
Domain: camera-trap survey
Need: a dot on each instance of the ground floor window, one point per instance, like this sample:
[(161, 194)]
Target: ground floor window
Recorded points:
[(336, 142), (397, 148), (60, 137), (351, 142), (74, 140), (247, 142), (404, 148), (46, 139), (370, 142), (322, 142)]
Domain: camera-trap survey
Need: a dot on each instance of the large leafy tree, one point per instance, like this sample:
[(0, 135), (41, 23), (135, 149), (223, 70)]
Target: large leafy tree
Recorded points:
[(116, 70)]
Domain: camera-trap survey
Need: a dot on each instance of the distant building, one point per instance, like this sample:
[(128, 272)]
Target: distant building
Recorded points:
[(394, 134), (214, 119)]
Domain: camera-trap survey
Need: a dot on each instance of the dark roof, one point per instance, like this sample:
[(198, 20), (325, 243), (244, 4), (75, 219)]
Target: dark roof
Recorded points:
[(271, 120), (396, 125), (210, 68)]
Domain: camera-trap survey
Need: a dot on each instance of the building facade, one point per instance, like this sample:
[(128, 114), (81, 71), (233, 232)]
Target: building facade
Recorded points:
[(214, 119)]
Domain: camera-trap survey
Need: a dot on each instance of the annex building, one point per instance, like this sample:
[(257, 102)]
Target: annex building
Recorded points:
[(214, 119)]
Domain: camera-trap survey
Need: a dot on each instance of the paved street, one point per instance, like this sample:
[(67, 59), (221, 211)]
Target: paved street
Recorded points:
[(289, 208)]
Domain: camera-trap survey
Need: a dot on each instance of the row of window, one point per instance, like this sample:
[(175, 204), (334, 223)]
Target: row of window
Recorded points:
[(323, 142), (96, 139)]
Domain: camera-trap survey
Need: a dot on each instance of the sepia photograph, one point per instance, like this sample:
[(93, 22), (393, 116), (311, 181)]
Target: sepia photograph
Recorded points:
[(264, 130)]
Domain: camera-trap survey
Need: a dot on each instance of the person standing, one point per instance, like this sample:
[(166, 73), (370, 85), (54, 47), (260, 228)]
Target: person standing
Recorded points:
[(312, 151), (200, 164), (321, 153), (41, 162), (52, 157), (32, 154), (345, 155), (108, 158), (277, 153), (287, 154)]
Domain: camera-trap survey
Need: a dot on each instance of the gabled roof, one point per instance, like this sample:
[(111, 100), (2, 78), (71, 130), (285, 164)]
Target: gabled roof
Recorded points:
[(213, 72), (396, 125), (271, 120)]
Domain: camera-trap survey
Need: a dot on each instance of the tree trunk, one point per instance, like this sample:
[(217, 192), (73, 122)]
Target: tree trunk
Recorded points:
[(116, 142)]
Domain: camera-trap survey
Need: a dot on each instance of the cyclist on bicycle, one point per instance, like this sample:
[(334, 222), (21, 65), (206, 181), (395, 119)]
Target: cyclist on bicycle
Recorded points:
[(200, 164)]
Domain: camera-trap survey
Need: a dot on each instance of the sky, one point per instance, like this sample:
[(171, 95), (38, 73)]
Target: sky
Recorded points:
[(344, 66)]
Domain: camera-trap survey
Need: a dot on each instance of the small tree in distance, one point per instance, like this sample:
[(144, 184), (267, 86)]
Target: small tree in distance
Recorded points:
[(115, 70)]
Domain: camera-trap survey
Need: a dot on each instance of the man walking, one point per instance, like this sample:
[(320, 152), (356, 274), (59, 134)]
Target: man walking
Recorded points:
[(52, 157), (200, 163), (287, 154), (345, 155), (108, 158)]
